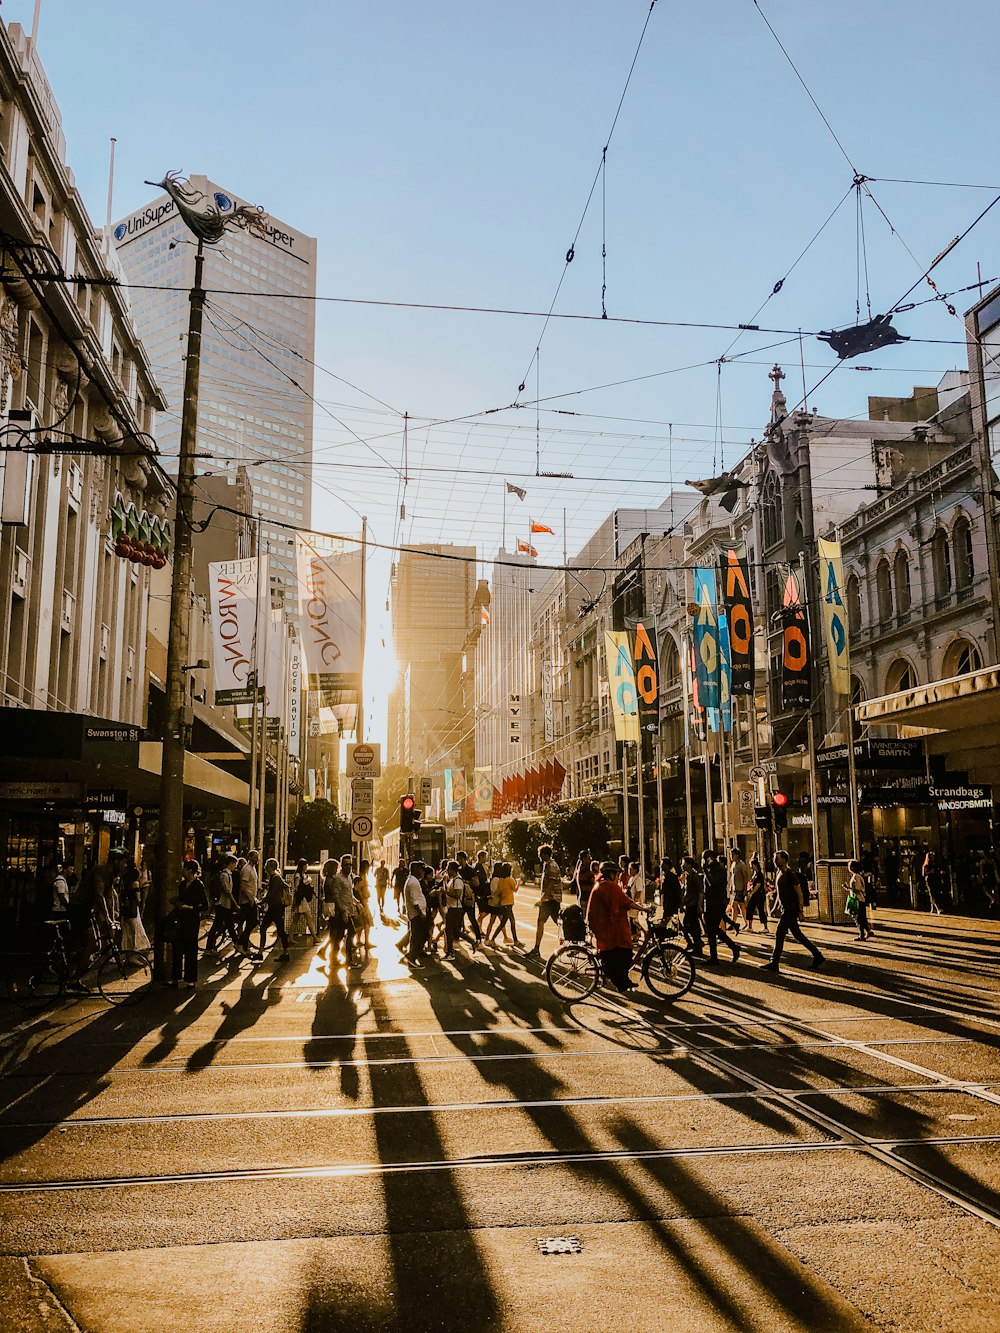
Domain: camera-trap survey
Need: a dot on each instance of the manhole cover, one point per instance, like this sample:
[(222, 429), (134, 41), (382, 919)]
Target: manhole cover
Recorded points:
[(559, 1245)]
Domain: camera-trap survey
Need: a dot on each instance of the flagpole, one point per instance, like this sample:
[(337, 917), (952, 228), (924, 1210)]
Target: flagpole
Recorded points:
[(565, 559), (503, 543)]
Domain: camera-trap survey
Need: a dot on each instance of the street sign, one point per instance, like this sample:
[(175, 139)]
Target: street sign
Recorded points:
[(361, 827), (363, 797), (745, 804), (426, 791), (364, 760), (757, 772)]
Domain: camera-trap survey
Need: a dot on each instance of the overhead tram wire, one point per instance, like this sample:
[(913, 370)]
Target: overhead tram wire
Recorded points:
[(571, 252)]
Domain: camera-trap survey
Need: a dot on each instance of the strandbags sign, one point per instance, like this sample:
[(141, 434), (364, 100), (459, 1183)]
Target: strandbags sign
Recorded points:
[(329, 603), (735, 575), (831, 583), (621, 679), (234, 591)]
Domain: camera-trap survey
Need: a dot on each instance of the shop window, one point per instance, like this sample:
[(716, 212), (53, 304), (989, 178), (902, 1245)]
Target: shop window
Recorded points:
[(883, 591), (852, 592)]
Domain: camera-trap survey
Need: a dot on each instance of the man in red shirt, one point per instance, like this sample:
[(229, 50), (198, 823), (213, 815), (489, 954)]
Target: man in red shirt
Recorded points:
[(608, 919)]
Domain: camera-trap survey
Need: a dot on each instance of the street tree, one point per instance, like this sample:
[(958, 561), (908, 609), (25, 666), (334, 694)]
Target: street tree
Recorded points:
[(318, 827)]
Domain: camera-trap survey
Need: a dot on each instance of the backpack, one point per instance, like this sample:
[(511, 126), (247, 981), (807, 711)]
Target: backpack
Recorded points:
[(574, 927)]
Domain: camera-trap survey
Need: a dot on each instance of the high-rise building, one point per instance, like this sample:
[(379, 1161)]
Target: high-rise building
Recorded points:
[(258, 347), (433, 604)]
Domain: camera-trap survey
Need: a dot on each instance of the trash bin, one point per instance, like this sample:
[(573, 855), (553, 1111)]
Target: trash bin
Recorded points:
[(832, 886)]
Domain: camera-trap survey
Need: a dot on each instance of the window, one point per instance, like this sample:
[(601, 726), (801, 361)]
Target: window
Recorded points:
[(960, 659), (852, 591), (883, 591), (901, 579), (900, 676), (670, 668), (964, 560), (771, 511), (941, 561)]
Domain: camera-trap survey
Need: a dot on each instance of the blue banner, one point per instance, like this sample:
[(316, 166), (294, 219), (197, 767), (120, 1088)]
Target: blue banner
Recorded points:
[(706, 638)]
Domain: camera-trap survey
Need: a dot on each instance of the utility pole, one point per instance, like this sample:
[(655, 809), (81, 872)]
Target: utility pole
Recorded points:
[(171, 846)]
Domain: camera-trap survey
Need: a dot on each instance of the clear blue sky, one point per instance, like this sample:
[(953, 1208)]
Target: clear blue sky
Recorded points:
[(442, 152)]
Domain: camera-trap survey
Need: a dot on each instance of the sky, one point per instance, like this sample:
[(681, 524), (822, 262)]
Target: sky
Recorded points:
[(443, 152)]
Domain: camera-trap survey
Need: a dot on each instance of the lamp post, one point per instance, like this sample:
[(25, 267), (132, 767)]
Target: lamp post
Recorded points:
[(208, 224)]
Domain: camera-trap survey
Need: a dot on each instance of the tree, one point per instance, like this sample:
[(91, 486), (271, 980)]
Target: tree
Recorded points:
[(572, 828), (317, 827), (518, 841)]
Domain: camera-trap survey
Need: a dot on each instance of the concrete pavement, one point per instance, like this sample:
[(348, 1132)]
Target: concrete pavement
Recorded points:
[(280, 1150)]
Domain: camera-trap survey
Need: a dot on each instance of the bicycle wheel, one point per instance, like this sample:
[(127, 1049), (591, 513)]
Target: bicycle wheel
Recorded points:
[(124, 977), (572, 972), (669, 971)]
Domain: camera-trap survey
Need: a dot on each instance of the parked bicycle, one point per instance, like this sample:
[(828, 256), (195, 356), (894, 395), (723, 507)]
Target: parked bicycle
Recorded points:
[(668, 968), (118, 975)]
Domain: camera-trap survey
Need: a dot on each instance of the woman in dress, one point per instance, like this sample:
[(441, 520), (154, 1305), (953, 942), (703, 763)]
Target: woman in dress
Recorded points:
[(130, 902), (363, 919)]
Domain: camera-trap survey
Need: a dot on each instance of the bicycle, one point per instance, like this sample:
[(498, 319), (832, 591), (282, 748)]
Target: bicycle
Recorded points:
[(118, 975), (574, 971)]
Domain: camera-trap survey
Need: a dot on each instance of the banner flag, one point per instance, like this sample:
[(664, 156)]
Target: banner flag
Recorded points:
[(329, 606), (831, 584), (548, 710), (482, 791), (276, 668), (295, 698), (647, 678), (621, 678), (706, 638), (233, 597), (454, 791), (725, 674), (795, 663), (735, 575)]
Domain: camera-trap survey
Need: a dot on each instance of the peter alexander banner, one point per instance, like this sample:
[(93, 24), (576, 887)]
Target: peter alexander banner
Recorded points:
[(831, 592), (706, 638), (621, 679), (329, 605), (734, 573), (234, 593)]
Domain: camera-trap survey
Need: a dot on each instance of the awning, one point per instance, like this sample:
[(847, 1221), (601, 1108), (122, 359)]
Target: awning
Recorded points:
[(203, 782), (960, 715)]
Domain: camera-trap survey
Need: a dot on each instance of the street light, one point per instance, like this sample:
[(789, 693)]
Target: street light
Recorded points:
[(208, 223)]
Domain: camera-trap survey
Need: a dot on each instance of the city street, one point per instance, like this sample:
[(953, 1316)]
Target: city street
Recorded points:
[(809, 1150)]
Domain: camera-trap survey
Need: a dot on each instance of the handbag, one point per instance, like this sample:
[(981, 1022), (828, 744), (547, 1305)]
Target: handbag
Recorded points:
[(851, 906)]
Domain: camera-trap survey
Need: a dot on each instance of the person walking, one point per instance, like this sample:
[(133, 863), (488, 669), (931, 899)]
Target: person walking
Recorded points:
[(454, 908), (277, 899), (506, 889), (338, 894), (415, 905), (550, 899), (756, 903), (224, 922), (790, 898), (381, 884), (933, 879), (716, 901), (470, 876), (739, 886), (608, 918), (692, 896), (134, 938), (192, 900), (670, 889), (859, 888), (584, 877), (249, 890), (303, 894)]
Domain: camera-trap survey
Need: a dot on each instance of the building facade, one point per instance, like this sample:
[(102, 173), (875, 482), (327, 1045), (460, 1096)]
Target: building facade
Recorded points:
[(258, 348)]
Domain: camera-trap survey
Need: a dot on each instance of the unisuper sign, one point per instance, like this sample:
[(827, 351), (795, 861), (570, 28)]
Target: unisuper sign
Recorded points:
[(155, 213)]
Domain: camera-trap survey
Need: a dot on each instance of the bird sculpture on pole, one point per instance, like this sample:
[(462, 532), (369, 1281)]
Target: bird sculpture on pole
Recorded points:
[(206, 219)]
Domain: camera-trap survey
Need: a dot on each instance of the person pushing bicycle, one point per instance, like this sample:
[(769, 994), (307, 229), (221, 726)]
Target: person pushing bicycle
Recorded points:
[(609, 918)]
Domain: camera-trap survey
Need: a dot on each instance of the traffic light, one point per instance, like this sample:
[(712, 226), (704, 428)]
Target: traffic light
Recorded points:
[(779, 804), (406, 814), (415, 820), (762, 816)]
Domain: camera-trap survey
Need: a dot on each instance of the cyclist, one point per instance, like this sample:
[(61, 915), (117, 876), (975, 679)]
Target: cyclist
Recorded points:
[(608, 918)]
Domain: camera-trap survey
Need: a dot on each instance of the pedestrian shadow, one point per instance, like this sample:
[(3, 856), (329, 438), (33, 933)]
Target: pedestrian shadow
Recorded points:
[(254, 1000), (335, 1015)]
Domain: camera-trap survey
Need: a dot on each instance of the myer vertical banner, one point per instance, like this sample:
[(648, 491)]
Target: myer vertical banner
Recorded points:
[(329, 605), (831, 591), (621, 679), (233, 586)]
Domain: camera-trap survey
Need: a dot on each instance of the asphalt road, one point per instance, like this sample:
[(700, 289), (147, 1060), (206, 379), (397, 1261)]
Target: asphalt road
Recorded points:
[(282, 1151)]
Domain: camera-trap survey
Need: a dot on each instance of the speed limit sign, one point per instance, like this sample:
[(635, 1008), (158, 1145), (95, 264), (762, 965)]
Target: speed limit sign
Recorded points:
[(361, 827)]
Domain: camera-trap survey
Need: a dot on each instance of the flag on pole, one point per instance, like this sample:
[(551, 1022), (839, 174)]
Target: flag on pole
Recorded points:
[(831, 576), (525, 548), (484, 616), (516, 490), (540, 527)]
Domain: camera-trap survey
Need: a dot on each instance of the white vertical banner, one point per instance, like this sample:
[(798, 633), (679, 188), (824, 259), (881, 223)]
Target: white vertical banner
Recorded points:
[(295, 699), (275, 674), (329, 606), (233, 595), (547, 707)]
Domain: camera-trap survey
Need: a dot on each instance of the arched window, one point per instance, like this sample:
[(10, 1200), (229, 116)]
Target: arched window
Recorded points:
[(900, 676), (960, 659), (852, 591), (941, 560), (771, 513), (883, 591), (964, 560), (858, 694), (901, 580), (670, 666)]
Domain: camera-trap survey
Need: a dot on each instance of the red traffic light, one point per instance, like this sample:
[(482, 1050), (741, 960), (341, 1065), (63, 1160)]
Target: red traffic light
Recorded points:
[(406, 802), (779, 798)]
